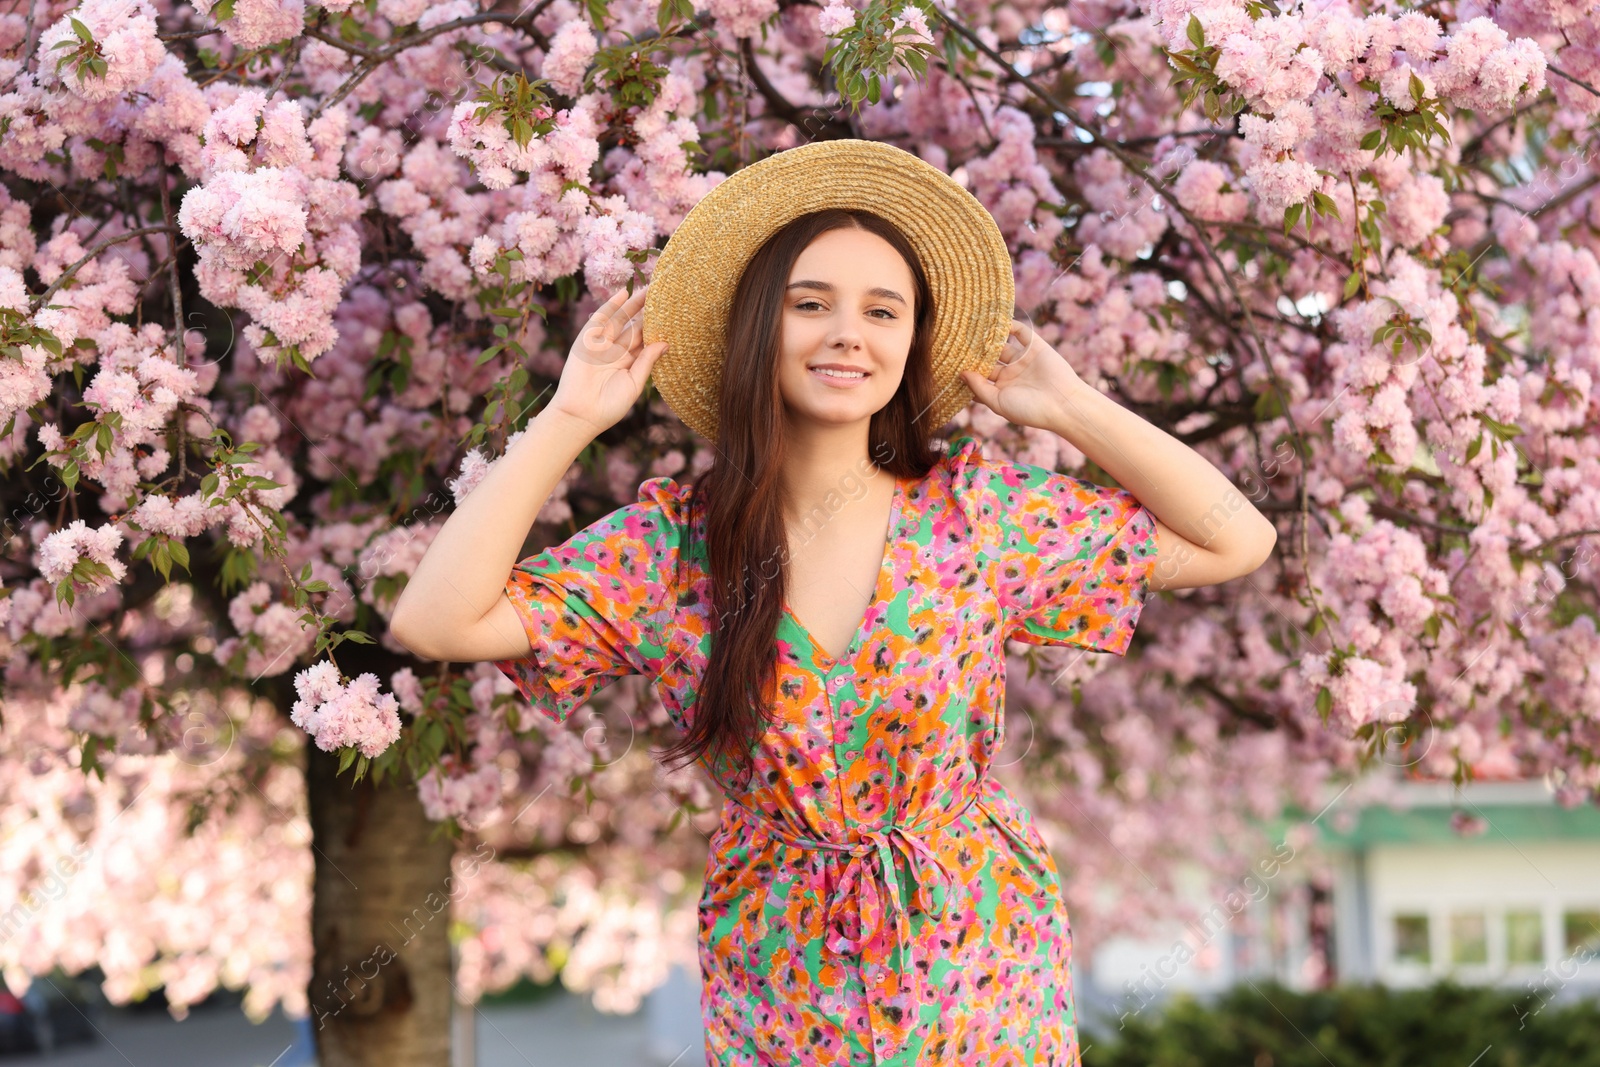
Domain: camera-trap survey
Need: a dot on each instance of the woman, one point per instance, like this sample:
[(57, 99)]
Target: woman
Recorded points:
[(825, 609)]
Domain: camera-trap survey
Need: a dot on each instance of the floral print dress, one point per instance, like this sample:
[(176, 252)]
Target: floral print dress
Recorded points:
[(875, 897)]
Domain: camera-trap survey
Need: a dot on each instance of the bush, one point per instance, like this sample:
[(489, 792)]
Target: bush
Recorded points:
[(1265, 1025)]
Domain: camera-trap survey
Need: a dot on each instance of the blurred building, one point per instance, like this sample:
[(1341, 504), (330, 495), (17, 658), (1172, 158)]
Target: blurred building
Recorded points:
[(1491, 883)]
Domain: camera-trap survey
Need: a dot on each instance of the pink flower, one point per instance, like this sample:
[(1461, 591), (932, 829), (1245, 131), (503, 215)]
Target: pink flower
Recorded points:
[(61, 551), (742, 18), (257, 23), (1278, 183), (472, 797), (337, 715), (125, 33), (571, 50), (836, 18), (914, 19)]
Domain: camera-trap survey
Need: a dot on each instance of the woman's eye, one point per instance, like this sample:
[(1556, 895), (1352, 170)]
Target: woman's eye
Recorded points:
[(806, 305)]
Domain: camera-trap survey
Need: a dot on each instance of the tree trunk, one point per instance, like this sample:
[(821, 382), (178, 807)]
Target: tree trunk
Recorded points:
[(381, 986)]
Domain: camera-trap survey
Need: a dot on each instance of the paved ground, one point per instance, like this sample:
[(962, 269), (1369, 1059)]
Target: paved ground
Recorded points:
[(563, 1031)]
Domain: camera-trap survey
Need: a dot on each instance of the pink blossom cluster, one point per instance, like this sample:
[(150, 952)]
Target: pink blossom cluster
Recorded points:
[(271, 638), (273, 224), (556, 232), (431, 201), (654, 173), (471, 796), (117, 871), (101, 288), (338, 714), (356, 437), (1297, 72), (741, 18), (1122, 223), (393, 553), (258, 23), (571, 51), (98, 710), (72, 120), (124, 32), (61, 551), (912, 18), (836, 18), (139, 381), (1014, 184)]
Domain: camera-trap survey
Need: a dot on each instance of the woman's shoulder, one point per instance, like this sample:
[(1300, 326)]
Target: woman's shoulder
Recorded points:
[(667, 496), (972, 476)]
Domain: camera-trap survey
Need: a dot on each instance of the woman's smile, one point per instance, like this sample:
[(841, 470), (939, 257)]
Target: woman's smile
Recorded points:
[(838, 377)]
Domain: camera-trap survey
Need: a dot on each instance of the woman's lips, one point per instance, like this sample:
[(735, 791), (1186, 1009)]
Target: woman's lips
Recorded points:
[(837, 382)]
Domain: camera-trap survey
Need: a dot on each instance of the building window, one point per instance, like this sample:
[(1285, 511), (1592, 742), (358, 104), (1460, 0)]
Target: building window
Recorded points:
[(1582, 929), (1411, 939), (1524, 937), (1469, 941)]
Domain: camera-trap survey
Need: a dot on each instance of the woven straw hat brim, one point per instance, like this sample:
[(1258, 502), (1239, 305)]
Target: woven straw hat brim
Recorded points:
[(958, 241)]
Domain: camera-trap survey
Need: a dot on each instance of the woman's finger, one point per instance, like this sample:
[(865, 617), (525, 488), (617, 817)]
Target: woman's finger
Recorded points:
[(611, 313)]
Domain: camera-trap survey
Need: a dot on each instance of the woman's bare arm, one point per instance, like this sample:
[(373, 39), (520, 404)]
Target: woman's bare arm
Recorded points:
[(454, 607)]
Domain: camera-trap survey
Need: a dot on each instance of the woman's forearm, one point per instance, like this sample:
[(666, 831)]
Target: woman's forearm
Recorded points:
[(464, 570), (1180, 487)]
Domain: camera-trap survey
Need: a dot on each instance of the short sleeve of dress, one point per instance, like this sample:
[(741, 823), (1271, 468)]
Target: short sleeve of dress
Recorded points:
[(599, 605), (1069, 561)]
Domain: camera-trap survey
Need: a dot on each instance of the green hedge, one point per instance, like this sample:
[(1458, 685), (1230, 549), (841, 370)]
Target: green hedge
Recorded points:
[(1445, 1025)]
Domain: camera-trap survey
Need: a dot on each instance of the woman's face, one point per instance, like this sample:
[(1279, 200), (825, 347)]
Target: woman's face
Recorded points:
[(848, 305)]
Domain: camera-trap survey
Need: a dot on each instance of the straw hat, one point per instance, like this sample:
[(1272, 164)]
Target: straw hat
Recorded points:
[(961, 248)]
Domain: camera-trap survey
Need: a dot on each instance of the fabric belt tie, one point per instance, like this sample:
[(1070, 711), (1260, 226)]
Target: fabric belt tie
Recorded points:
[(870, 884)]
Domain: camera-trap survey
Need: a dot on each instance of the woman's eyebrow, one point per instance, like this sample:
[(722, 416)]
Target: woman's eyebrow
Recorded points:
[(827, 287)]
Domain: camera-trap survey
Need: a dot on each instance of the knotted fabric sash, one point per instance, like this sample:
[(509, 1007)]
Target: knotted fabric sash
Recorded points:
[(868, 897)]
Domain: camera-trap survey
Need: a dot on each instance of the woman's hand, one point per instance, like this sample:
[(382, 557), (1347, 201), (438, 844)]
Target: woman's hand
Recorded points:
[(1031, 384), (608, 364)]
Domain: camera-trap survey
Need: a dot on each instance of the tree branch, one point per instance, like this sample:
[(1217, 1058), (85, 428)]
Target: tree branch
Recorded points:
[(175, 281), (66, 275), (373, 59), (1558, 72), (818, 121)]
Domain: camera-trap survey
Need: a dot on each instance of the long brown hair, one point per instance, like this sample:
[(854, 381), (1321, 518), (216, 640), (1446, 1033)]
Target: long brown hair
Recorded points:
[(740, 494)]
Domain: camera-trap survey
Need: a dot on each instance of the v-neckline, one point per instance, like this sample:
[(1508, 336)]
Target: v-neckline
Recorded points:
[(879, 591)]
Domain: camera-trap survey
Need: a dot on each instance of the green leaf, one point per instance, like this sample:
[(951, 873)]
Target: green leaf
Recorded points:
[(1417, 88), (1197, 32), (82, 31), (1291, 214), (1324, 701), (223, 10), (1372, 140)]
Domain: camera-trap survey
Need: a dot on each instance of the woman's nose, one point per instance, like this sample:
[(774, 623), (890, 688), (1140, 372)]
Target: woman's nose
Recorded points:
[(843, 332)]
